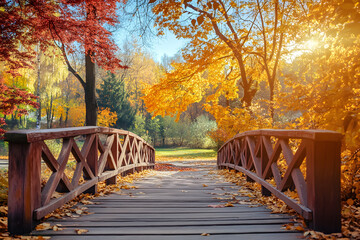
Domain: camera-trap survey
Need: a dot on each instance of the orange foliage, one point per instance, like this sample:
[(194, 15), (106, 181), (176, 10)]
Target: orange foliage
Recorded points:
[(77, 116), (106, 118)]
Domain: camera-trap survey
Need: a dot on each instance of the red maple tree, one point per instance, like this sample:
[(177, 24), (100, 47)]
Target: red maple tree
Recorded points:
[(14, 99), (74, 26)]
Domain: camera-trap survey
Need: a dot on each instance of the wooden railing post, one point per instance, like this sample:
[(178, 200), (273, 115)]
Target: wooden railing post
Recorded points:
[(115, 154), (92, 160), (28, 201), (323, 184), (24, 186)]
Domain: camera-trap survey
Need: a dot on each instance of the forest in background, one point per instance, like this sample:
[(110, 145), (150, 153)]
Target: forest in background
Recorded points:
[(61, 100), (248, 65)]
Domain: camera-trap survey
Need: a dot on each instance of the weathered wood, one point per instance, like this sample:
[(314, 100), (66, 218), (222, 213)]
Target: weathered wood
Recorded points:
[(186, 230), (139, 224), (175, 205), (323, 185), (92, 161), (319, 193), (114, 159), (24, 186), (58, 202), (36, 135), (29, 203), (269, 236)]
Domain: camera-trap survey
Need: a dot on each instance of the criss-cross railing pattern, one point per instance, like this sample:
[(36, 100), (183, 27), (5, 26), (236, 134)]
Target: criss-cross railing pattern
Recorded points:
[(259, 154), (105, 153)]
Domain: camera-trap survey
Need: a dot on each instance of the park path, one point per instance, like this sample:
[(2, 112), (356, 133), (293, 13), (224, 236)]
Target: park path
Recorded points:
[(174, 205)]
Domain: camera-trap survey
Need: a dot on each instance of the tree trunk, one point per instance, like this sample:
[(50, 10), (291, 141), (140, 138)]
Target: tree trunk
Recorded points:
[(90, 96), (38, 111), (49, 112), (90, 85), (66, 116), (271, 107)]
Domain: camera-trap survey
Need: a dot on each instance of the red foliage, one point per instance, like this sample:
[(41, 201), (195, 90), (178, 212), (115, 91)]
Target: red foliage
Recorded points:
[(14, 99), (64, 23)]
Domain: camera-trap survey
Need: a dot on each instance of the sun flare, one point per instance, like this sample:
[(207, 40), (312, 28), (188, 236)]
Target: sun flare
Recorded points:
[(311, 44)]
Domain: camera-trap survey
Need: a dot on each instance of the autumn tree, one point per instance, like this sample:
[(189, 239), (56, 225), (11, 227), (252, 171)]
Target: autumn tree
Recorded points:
[(74, 27), (234, 46), (14, 99), (322, 82)]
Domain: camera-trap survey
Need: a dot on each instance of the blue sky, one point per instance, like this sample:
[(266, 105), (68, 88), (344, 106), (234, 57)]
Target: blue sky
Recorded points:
[(168, 45), (158, 46)]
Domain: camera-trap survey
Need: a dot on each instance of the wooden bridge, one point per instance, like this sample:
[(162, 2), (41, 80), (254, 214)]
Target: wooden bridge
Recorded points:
[(179, 205)]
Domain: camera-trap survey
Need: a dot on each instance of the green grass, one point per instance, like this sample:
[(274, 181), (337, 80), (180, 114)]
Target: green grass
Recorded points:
[(184, 153)]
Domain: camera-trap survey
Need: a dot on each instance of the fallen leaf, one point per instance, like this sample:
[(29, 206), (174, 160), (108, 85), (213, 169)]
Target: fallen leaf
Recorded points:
[(81, 231), (217, 206), (57, 228), (4, 210), (299, 228), (79, 211), (43, 226), (350, 202), (86, 202), (205, 234), (204, 185), (56, 195), (3, 223)]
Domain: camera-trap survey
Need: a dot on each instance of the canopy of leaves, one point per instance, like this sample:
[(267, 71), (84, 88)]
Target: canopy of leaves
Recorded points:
[(27, 23)]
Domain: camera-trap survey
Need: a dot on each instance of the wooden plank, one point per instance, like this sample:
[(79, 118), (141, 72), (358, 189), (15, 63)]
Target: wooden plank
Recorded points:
[(161, 209), (89, 224), (154, 210), (268, 236), (179, 216), (169, 230)]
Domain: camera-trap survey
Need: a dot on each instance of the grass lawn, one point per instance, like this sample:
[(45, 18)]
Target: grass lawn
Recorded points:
[(181, 153)]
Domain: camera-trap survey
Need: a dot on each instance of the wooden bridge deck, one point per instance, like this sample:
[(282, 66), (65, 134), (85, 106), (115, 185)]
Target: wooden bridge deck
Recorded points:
[(174, 206)]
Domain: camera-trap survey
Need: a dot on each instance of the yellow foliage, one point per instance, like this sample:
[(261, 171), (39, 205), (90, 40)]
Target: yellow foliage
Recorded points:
[(106, 118), (77, 116)]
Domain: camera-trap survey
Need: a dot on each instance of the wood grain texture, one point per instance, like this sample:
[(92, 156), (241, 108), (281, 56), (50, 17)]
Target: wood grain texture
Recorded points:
[(175, 205), (98, 160), (319, 193)]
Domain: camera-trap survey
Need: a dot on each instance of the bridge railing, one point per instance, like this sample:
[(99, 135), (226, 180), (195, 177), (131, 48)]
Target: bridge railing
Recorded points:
[(274, 159), (105, 153)]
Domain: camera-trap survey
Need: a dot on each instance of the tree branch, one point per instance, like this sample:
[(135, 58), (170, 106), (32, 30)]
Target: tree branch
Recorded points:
[(275, 29), (63, 50)]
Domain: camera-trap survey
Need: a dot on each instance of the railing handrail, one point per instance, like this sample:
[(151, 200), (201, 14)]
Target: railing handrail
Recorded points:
[(98, 160), (255, 153), (315, 134), (35, 135)]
